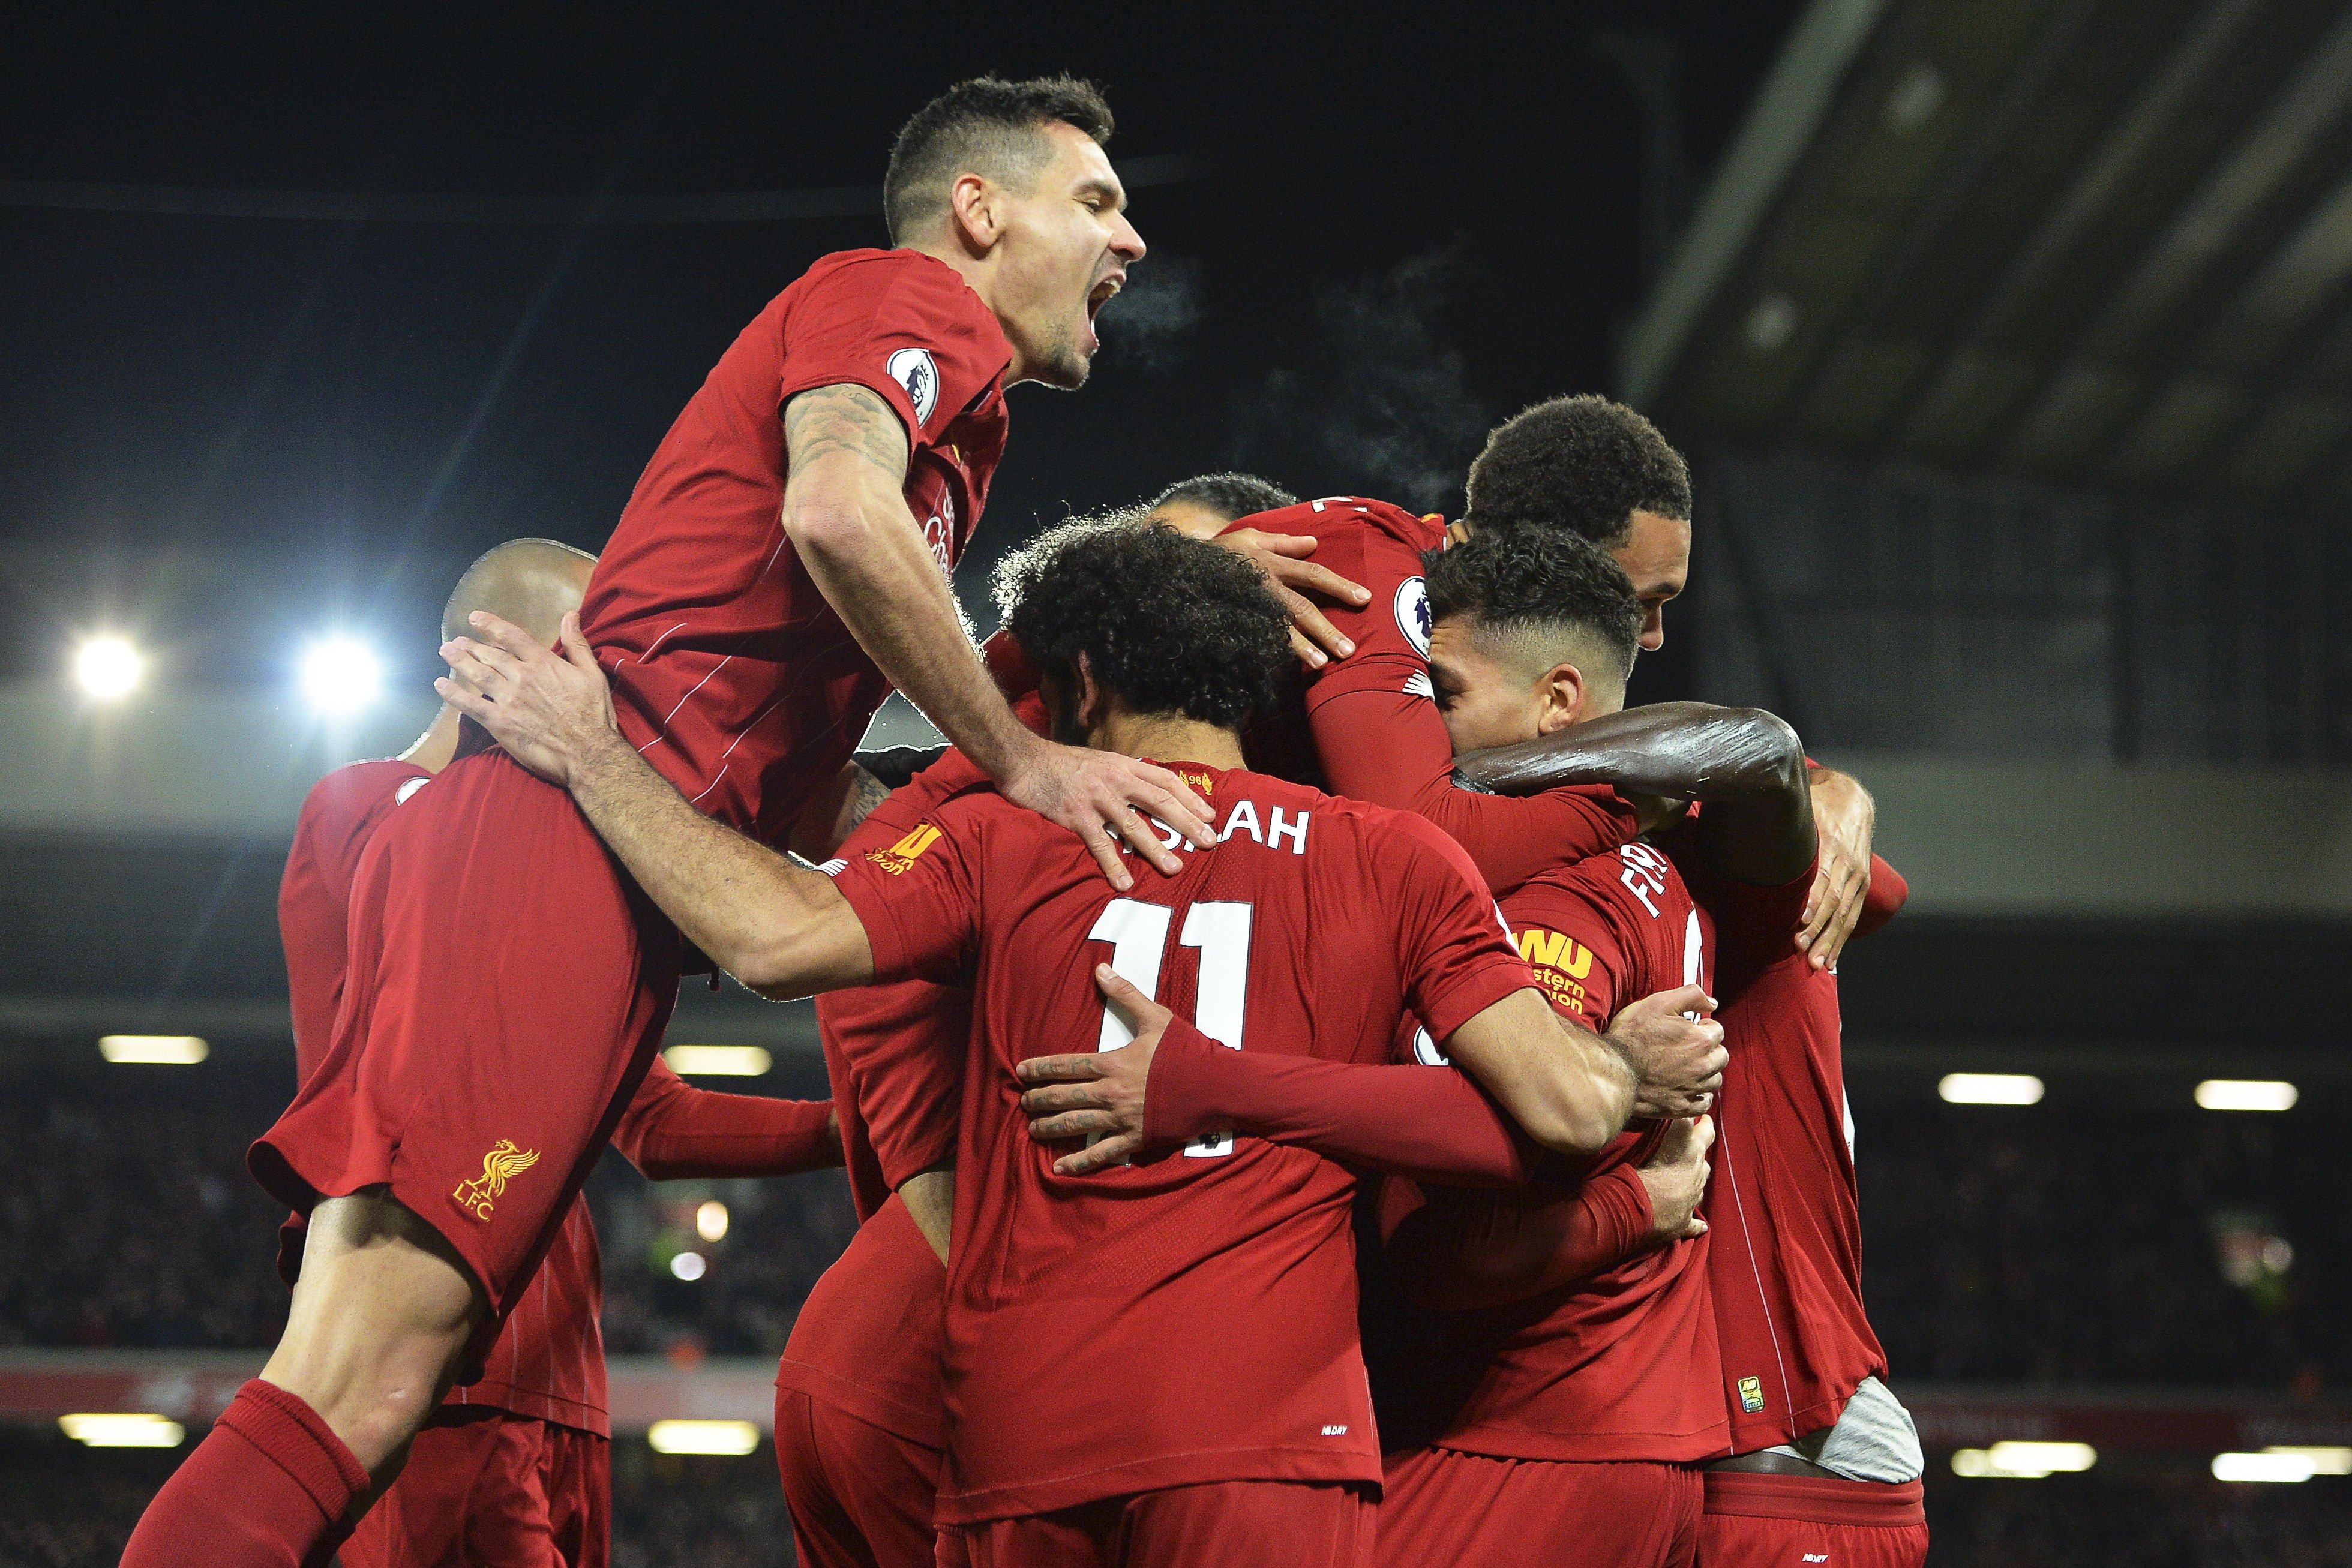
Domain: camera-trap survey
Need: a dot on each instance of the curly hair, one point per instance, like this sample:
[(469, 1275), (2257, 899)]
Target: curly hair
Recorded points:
[(1173, 625), (1583, 463), (983, 126), (1536, 585), (1230, 495)]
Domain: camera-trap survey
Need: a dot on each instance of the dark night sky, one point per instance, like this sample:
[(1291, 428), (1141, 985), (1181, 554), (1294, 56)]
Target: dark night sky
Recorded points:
[(1420, 228)]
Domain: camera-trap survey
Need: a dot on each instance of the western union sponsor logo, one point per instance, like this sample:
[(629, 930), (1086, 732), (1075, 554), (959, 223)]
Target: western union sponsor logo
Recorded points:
[(1554, 950), (904, 853)]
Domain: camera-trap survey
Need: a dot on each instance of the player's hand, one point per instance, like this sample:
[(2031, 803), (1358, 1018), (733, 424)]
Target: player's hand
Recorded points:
[(549, 710), (1675, 1177), (1098, 1095), (1106, 798), (1845, 817), (1678, 1061), (1290, 576)]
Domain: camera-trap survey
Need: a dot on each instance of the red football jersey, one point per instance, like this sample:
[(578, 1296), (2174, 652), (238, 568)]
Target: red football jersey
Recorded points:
[(1621, 1364), (1200, 1304), (730, 670), (1368, 727), (1783, 1217)]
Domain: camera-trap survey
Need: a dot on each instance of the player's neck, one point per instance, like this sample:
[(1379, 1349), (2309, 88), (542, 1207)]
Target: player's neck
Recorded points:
[(434, 748), (1167, 739)]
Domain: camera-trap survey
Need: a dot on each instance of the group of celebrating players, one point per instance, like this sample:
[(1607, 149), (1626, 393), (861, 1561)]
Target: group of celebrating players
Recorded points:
[(1322, 1080)]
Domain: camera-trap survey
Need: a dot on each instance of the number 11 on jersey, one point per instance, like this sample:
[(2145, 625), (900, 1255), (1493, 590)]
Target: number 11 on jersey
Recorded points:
[(1137, 935)]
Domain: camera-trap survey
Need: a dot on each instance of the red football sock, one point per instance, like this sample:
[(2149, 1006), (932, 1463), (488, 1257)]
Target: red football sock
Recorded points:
[(270, 1486)]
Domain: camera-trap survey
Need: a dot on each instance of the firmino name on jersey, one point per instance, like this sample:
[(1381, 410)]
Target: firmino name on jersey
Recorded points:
[(1276, 828)]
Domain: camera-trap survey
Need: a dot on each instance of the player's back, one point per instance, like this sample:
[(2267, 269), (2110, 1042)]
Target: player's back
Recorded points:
[(339, 816), (1190, 1317), (1621, 1364)]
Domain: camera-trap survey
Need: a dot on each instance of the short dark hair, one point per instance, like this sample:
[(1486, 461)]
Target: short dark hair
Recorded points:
[(1173, 625), (986, 126), (1583, 463), (1230, 496), (1537, 582)]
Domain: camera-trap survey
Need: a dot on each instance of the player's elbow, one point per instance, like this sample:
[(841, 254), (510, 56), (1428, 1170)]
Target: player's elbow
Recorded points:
[(1776, 753), (1581, 1111), (825, 527)]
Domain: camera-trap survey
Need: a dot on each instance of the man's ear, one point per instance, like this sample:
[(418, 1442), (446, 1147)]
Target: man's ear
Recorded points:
[(976, 212), (1560, 697), (1094, 698)]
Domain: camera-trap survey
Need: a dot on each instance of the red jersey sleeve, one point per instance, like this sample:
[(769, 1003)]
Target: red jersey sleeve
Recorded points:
[(1376, 729), (906, 326), (1451, 947), (1431, 1124), (1887, 895), (918, 897), (672, 1131), (1463, 1252)]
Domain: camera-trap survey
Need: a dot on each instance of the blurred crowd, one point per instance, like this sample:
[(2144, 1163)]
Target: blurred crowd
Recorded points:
[(2106, 1244)]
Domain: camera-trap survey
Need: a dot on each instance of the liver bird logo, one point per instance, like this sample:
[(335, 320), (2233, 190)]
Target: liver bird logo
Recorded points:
[(503, 1163)]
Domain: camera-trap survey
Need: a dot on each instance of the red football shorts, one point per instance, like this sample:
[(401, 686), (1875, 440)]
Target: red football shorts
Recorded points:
[(861, 1497), (494, 1488), (507, 991), (1295, 1523), (1445, 1506), (1767, 1521)]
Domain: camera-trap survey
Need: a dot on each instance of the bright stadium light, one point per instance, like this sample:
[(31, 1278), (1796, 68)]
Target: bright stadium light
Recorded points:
[(106, 668), (2043, 1456), (689, 1266), (711, 1221), (341, 674), (154, 1049), (123, 1431), (2263, 1468), (1990, 1089), (703, 1437), (2246, 1094), (2325, 1461), (719, 1061)]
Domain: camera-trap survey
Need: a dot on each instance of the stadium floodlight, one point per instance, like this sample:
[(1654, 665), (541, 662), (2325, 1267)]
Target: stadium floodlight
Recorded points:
[(2325, 1461), (689, 1266), (341, 674), (1977, 1465), (2277, 1467), (106, 668), (719, 1061), (2246, 1094), (736, 1438), (1990, 1089), (2042, 1456), (711, 1221), (123, 1431), (154, 1049)]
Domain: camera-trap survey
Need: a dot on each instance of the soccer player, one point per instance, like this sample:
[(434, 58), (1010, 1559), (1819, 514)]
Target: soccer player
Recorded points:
[(1209, 1291), (516, 1465), (1575, 1401), (508, 988), (859, 1416), (1827, 1463)]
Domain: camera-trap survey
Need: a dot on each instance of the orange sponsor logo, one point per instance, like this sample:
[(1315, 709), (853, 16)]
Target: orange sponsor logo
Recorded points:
[(501, 1166)]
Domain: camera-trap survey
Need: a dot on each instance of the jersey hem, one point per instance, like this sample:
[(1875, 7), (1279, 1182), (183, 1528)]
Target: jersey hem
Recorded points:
[(856, 1399), (1019, 1500)]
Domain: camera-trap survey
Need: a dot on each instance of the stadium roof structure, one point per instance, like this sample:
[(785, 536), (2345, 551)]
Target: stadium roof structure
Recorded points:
[(2098, 241)]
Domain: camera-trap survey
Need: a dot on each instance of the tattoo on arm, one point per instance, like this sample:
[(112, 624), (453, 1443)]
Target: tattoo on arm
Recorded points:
[(843, 419), (868, 793)]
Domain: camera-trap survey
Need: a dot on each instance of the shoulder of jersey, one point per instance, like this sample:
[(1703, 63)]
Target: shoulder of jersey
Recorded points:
[(1331, 511)]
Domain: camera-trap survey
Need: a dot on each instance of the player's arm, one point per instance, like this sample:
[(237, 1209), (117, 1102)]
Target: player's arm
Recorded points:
[(1746, 764), (845, 513), (835, 814), (1459, 1251), (1380, 744), (673, 1130), (1172, 1084), (780, 928), (1850, 896)]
